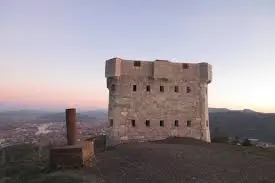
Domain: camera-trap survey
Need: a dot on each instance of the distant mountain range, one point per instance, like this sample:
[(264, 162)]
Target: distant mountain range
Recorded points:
[(214, 110), (46, 116), (243, 123), (223, 122)]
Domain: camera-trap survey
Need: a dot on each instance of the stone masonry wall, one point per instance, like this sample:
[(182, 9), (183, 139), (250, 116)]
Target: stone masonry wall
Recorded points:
[(189, 109)]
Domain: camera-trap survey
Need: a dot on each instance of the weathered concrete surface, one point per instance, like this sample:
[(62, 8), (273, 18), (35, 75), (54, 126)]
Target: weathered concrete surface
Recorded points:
[(126, 105), (71, 156), (99, 143)]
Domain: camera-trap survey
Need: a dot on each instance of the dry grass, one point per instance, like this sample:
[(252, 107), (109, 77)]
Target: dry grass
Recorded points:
[(26, 164)]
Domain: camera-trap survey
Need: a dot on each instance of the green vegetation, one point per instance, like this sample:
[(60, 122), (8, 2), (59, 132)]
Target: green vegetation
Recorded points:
[(243, 124), (220, 139), (46, 179), (29, 164), (246, 142)]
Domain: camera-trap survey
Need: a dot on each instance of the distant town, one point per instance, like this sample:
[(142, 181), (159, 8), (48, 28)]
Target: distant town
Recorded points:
[(46, 133), (17, 127)]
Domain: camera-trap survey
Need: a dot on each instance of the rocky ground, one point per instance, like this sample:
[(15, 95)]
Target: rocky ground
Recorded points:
[(175, 160), (185, 160)]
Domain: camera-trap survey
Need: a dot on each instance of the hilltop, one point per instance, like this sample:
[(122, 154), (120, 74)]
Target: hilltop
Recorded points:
[(171, 160), (185, 160)]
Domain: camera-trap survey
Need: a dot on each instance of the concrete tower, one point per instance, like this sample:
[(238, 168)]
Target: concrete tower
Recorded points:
[(152, 100)]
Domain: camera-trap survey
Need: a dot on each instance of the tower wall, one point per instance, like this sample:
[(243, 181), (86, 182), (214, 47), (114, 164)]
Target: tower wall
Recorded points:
[(130, 108)]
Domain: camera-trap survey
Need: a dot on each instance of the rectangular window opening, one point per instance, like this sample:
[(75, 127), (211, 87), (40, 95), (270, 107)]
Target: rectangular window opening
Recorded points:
[(188, 123), (161, 123), (176, 89), (111, 122), (147, 123), (113, 87), (207, 123), (148, 89), (176, 123), (137, 63), (188, 89), (134, 87), (133, 123), (185, 66), (161, 88)]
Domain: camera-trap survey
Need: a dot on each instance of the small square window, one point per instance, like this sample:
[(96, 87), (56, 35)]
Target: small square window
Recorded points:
[(185, 66), (188, 123), (161, 123), (134, 87), (176, 123), (111, 122), (148, 88), (133, 123), (113, 87), (176, 89), (147, 123), (188, 89), (161, 88), (137, 63)]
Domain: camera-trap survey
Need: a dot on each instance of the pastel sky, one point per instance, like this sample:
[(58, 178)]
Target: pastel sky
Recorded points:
[(52, 52)]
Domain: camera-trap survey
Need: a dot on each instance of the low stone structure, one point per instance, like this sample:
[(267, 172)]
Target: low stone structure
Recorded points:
[(72, 155), (153, 100), (99, 143)]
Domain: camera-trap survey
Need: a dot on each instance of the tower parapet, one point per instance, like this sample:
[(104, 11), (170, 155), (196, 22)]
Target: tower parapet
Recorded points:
[(158, 69), (205, 72)]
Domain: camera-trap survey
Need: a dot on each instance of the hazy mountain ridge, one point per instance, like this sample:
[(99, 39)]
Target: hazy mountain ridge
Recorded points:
[(46, 116), (214, 110), (243, 124)]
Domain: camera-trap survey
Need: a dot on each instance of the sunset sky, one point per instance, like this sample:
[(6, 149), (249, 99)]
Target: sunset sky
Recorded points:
[(53, 52)]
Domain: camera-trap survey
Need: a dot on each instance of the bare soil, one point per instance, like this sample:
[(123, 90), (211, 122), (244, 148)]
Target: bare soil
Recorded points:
[(184, 160)]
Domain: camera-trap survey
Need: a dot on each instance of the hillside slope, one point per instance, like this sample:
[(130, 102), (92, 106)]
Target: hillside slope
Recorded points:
[(185, 160), (172, 160), (243, 124)]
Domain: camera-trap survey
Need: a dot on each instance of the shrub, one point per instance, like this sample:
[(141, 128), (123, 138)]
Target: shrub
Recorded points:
[(246, 142), (220, 139)]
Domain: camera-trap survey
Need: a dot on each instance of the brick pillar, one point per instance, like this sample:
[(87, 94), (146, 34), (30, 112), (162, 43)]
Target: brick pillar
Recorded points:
[(71, 126)]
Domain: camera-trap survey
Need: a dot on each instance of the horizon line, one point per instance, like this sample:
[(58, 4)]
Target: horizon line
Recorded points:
[(105, 109)]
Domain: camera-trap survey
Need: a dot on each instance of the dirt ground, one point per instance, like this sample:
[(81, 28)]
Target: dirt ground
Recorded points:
[(184, 160)]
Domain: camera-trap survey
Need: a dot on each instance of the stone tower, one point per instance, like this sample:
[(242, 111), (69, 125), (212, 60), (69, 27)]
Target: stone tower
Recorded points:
[(152, 100)]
